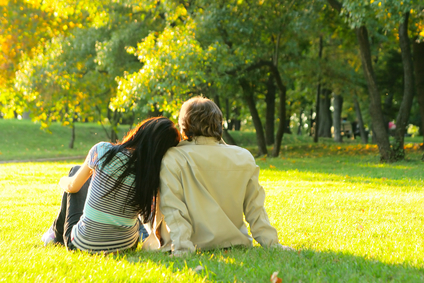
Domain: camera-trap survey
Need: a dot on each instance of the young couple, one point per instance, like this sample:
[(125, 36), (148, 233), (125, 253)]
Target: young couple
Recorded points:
[(191, 194)]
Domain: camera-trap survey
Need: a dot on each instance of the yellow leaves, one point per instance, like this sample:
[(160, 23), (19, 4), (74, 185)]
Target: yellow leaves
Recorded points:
[(80, 66), (64, 27), (272, 166), (4, 2), (372, 1), (379, 4)]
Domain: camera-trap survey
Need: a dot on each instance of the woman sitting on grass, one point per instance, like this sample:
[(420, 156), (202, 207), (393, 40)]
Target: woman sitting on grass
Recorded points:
[(102, 215)]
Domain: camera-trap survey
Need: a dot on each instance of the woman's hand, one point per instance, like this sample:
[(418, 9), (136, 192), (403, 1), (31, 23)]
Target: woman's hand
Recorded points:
[(64, 183), (73, 184)]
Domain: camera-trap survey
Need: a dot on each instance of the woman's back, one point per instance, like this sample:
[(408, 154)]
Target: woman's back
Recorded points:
[(108, 222)]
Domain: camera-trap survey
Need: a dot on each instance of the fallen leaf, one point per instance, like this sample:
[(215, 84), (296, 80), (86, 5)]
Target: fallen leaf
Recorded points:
[(275, 279), (271, 166)]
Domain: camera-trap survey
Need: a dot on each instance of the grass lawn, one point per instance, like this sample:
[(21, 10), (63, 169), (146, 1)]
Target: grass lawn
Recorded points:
[(23, 140), (349, 218)]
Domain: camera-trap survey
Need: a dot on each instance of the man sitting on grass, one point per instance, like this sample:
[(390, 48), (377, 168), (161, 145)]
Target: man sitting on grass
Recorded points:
[(207, 186)]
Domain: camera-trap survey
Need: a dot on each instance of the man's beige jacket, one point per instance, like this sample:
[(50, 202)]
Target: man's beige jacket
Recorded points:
[(205, 188)]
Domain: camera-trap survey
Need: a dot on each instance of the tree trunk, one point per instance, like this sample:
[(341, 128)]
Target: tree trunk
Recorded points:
[(25, 115), (381, 136), (260, 136), (225, 134), (281, 112), (236, 121), (364, 135), (270, 111), (318, 95), (408, 92), (113, 120), (418, 49), (325, 114), (337, 117), (113, 135), (71, 142)]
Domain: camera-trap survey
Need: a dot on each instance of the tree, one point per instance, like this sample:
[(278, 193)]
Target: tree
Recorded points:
[(359, 16), (230, 46), (24, 25), (73, 77)]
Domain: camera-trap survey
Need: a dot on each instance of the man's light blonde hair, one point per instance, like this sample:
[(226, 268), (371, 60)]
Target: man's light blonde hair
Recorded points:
[(200, 116)]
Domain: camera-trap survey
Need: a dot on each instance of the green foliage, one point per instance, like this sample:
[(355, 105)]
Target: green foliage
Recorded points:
[(111, 61)]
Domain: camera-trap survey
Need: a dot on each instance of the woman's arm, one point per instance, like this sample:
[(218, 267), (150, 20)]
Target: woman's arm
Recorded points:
[(73, 184)]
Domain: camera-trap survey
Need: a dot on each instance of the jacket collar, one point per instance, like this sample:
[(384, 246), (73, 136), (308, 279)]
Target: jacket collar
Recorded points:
[(201, 140)]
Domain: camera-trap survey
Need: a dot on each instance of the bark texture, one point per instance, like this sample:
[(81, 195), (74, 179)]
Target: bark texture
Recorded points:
[(72, 141), (260, 135), (281, 112), (379, 130), (325, 120), (270, 111), (408, 92)]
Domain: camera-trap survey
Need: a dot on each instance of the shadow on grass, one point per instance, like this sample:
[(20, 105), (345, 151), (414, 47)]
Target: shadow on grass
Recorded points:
[(257, 264)]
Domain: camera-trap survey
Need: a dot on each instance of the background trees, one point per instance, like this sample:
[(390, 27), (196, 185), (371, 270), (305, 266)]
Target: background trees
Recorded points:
[(275, 65)]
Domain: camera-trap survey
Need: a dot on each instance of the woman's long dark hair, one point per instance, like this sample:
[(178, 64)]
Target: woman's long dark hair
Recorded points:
[(147, 144)]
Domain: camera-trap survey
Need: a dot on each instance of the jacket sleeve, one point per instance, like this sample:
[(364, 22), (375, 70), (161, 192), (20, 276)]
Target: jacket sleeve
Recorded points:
[(255, 213), (173, 207)]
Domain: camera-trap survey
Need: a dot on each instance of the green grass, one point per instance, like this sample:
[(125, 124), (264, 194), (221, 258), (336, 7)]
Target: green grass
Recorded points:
[(350, 219), (24, 140)]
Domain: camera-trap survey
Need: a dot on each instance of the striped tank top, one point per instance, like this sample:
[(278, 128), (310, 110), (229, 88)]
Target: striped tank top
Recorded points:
[(108, 223)]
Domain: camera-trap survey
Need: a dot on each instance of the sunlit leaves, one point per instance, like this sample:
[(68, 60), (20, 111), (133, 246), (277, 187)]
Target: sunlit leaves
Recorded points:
[(174, 64)]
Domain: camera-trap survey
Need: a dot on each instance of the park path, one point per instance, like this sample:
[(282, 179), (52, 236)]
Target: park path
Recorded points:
[(43, 159)]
